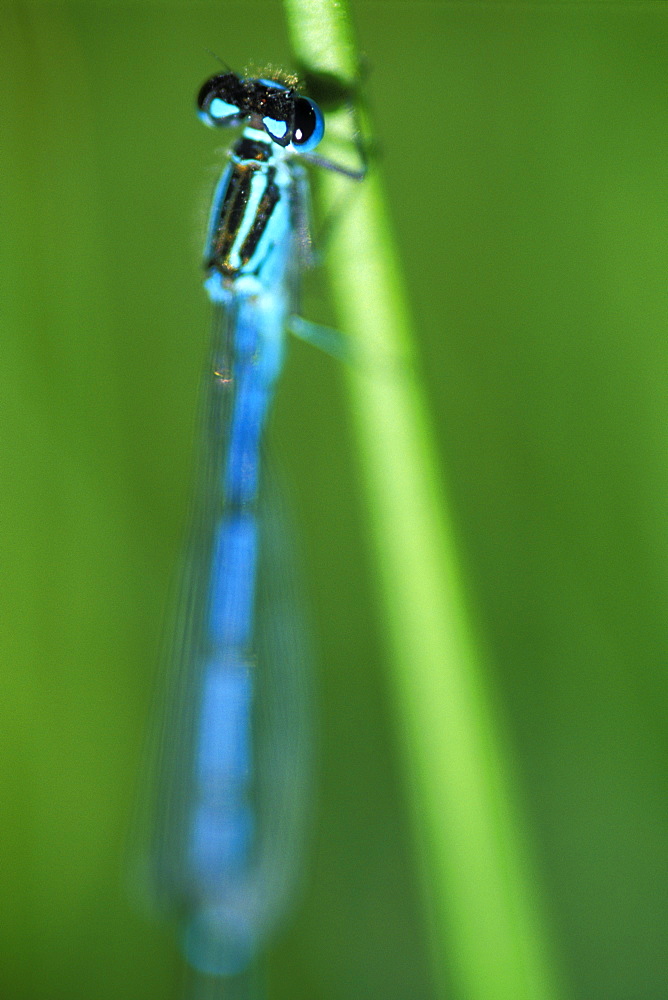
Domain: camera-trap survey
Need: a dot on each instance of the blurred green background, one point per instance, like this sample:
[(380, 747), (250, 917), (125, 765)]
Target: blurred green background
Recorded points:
[(525, 152)]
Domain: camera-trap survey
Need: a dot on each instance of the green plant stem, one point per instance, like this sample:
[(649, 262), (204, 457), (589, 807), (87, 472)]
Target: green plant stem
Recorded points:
[(487, 930)]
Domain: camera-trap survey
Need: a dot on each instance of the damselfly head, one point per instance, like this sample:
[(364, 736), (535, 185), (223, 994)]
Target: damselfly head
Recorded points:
[(289, 119)]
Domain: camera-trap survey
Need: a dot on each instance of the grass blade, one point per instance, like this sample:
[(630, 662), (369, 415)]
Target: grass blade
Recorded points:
[(477, 876)]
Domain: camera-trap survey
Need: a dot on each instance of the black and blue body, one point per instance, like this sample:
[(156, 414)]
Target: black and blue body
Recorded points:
[(233, 773)]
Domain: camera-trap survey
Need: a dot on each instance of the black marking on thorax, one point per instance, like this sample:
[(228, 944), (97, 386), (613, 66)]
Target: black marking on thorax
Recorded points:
[(244, 175), (251, 149)]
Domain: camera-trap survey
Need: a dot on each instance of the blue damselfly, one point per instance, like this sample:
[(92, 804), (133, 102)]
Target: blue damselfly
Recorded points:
[(233, 769)]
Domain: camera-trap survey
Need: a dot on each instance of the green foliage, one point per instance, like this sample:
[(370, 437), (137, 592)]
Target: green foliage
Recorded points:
[(523, 150)]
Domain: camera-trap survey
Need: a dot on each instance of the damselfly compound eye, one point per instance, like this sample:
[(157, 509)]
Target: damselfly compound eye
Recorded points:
[(215, 100), (309, 126)]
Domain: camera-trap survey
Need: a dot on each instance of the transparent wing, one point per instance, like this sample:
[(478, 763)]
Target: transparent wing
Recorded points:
[(231, 759)]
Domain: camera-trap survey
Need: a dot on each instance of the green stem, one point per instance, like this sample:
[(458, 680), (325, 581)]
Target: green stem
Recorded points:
[(479, 889)]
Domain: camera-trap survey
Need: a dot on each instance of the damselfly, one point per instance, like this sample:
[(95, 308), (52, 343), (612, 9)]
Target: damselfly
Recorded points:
[(233, 770)]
